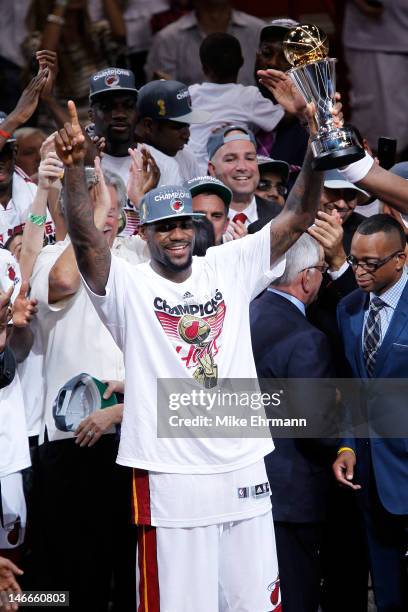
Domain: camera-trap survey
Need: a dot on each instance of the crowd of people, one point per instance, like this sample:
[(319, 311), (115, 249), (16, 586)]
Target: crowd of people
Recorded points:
[(161, 223)]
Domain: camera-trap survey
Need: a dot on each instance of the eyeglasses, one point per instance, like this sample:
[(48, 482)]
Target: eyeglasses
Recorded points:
[(265, 185), (370, 266), (322, 268)]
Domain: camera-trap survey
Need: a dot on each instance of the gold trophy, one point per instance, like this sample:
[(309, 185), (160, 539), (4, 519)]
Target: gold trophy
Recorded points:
[(306, 48)]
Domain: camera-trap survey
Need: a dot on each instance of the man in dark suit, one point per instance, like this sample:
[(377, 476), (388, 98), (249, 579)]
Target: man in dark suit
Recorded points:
[(286, 346), (373, 324)]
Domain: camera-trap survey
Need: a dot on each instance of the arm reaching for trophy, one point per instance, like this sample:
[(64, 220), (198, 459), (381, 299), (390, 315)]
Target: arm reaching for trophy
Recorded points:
[(312, 79), (91, 248)]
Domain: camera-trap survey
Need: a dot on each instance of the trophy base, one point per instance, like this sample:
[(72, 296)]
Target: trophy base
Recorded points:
[(337, 159), (335, 148)]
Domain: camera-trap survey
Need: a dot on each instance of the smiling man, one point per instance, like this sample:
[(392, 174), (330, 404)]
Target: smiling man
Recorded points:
[(187, 492), (17, 192), (233, 160), (166, 114), (113, 97), (372, 323)]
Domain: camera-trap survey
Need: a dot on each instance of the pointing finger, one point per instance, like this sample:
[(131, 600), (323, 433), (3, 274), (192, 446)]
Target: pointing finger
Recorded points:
[(73, 115)]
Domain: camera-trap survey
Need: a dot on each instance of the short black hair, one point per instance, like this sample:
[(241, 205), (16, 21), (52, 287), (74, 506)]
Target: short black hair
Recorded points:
[(221, 54), (382, 223)]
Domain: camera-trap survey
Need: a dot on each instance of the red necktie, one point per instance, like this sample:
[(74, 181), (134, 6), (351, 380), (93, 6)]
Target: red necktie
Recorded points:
[(240, 217)]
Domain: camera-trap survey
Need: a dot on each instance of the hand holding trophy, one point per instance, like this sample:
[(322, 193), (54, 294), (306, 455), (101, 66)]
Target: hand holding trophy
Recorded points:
[(306, 48)]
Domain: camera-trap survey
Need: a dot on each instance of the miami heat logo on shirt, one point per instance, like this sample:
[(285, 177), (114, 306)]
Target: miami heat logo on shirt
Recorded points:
[(197, 334)]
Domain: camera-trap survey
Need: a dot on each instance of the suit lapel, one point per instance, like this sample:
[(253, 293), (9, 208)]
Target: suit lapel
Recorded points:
[(356, 324), (395, 328)]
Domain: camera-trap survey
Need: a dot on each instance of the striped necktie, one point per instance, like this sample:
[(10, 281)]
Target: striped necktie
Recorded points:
[(372, 334)]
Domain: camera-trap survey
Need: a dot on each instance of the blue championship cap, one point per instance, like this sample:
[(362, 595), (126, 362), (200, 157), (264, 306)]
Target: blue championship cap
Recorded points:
[(77, 399), (220, 137), (169, 100), (111, 80), (210, 184), (166, 202)]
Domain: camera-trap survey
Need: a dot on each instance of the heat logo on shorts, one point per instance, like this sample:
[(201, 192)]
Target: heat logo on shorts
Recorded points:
[(275, 597)]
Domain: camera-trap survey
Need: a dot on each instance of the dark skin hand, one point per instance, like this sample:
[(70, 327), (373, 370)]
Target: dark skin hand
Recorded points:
[(91, 249), (21, 337), (5, 315), (48, 60), (25, 106)]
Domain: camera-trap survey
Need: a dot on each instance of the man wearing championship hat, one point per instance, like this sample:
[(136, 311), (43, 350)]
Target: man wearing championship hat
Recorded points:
[(288, 141), (166, 114), (178, 317), (113, 111), (273, 179), (212, 198)]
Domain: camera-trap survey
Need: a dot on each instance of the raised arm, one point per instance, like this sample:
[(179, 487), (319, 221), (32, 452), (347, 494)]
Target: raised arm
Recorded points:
[(91, 249), (386, 186), (64, 279), (299, 211), (50, 170), (25, 107)]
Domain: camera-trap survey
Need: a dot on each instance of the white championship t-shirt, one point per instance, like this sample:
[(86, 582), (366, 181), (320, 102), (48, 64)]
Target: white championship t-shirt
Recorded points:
[(169, 170), (144, 313)]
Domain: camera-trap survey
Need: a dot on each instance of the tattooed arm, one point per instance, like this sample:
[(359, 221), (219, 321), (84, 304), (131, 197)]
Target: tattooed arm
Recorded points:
[(303, 201), (299, 211), (91, 248)]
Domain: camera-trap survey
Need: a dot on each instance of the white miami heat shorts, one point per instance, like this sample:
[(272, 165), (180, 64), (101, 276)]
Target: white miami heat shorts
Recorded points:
[(225, 567)]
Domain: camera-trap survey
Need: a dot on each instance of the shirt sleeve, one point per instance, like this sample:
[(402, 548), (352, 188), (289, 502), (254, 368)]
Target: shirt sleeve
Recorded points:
[(247, 261), (265, 114), (335, 274), (170, 173), (111, 306), (39, 281)]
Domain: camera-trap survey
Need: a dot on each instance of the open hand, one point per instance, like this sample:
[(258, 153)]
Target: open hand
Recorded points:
[(144, 174), (8, 583), (236, 229), (28, 101), (283, 90), (48, 60)]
